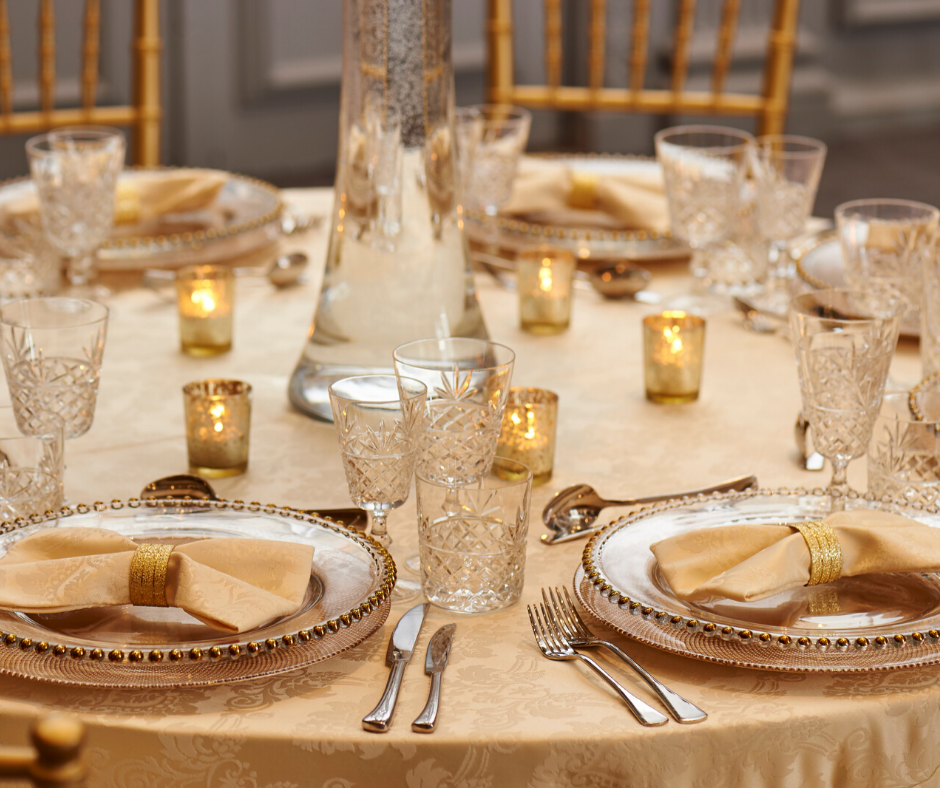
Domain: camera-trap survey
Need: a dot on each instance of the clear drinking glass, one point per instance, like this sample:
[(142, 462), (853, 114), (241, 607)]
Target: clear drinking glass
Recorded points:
[(703, 172), (468, 385), (52, 351), (75, 171), (32, 468), (844, 342), (377, 419), (904, 454), (472, 538), (887, 246), (786, 170), (490, 140)]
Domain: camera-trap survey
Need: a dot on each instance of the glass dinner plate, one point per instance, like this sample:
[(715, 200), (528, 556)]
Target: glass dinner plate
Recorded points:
[(351, 578), (857, 624), (820, 265), (587, 242), (245, 215)]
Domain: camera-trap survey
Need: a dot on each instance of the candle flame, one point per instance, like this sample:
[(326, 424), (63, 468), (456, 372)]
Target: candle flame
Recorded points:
[(204, 299), (545, 275), (671, 335), (217, 426)]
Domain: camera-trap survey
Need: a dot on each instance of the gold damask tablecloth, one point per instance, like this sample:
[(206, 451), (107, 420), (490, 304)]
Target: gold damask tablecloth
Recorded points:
[(509, 717)]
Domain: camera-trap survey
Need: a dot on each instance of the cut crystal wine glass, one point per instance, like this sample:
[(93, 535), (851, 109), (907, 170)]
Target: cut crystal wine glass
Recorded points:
[(844, 342), (75, 171)]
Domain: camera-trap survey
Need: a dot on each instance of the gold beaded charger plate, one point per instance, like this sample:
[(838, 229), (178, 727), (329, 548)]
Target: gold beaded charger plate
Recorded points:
[(244, 216), (586, 242), (347, 600), (856, 624)]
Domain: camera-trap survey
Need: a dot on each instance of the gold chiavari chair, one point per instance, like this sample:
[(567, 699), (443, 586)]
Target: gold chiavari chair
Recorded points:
[(770, 107), (54, 760), (143, 115)]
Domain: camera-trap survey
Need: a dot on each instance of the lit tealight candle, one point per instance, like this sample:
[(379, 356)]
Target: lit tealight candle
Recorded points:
[(527, 434), (218, 421), (205, 295), (544, 283), (673, 343)]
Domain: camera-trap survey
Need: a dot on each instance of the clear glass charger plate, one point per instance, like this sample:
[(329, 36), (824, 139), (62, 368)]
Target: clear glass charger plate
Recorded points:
[(245, 215), (857, 624), (819, 264), (586, 242), (347, 600)]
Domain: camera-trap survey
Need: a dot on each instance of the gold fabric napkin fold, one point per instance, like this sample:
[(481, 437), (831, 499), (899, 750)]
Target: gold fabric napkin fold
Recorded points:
[(146, 197), (749, 562), (229, 584), (551, 192)]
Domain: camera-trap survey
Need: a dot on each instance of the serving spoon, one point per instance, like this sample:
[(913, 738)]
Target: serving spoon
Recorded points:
[(185, 485), (571, 513), (619, 278)]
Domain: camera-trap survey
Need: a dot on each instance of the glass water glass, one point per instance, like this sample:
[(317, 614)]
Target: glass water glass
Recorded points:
[(888, 247), (472, 538), (703, 173), (52, 352), (377, 420), (844, 342), (490, 140), (468, 385), (786, 170), (904, 454), (75, 171), (32, 468)]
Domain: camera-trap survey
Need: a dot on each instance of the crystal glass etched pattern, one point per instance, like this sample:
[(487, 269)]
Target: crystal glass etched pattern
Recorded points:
[(52, 351), (904, 454), (844, 343)]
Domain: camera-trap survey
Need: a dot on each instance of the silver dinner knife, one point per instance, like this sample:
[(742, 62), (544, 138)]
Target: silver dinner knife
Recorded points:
[(434, 664), (400, 649)]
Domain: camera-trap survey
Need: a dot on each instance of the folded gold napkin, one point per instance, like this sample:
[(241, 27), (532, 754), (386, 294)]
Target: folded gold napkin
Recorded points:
[(551, 192), (749, 562), (146, 197), (229, 584)]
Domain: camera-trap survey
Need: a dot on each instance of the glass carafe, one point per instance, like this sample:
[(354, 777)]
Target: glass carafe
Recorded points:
[(397, 267)]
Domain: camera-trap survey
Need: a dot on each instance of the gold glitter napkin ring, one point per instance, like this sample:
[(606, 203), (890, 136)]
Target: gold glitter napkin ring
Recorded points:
[(583, 191), (825, 553), (148, 574)]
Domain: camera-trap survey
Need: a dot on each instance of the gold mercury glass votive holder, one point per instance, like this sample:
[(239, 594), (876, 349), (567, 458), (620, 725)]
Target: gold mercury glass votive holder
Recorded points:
[(218, 421), (543, 276), (527, 434), (673, 344), (205, 295)]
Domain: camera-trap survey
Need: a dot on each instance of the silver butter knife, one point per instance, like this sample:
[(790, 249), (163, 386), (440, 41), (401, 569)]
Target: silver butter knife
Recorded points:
[(434, 664), (400, 649)]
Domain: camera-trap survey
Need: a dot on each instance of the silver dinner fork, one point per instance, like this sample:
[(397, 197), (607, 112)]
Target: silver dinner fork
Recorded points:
[(554, 646), (567, 619)]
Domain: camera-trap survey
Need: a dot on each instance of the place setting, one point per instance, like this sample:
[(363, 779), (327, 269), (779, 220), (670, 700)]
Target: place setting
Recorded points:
[(444, 413)]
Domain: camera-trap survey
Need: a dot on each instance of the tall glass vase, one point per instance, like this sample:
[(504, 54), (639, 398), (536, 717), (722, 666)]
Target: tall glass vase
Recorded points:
[(398, 267)]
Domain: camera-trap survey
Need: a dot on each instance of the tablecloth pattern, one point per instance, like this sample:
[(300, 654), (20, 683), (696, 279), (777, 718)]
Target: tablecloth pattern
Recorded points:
[(508, 716)]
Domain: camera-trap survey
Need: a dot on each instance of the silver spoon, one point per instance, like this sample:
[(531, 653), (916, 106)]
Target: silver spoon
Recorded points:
[(572, 512), (282, 272), (619, 278), (185, 485), (756, 320)]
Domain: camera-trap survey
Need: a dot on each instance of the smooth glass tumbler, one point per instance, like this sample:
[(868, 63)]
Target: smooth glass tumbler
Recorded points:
[(544, 278), (468, 385), (472, 538), (75, 171), (52, 352), (218, 427), (844, 341), (904, 453), (205, 298)]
